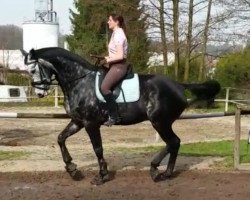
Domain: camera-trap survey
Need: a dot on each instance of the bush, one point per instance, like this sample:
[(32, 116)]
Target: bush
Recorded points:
[(17, 79), (233, 70)]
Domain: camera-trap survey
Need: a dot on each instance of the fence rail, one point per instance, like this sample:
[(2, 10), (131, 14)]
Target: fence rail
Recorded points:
[(56, 94)]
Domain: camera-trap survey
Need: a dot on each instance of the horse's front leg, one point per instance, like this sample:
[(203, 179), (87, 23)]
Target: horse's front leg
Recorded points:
[(96, 140), (70, 129)]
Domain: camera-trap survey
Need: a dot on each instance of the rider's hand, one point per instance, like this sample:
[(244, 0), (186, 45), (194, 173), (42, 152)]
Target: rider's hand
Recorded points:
[(103, 63), (107, 58)]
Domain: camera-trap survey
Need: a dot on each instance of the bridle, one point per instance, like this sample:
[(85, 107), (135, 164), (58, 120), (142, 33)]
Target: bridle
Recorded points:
[(45, 81)]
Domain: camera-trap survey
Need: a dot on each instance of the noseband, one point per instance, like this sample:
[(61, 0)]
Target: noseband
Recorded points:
[(43, 81)]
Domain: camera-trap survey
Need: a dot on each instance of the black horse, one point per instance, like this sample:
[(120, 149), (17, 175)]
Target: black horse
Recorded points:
[(161, 102)]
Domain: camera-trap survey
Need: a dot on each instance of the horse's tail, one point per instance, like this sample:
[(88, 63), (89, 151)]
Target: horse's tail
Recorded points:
[(204, 91)]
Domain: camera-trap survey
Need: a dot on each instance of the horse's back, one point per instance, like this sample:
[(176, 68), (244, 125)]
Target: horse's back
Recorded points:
[(165, 86)]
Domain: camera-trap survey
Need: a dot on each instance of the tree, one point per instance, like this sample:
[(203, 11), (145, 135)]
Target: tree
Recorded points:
[(90, 34), (176, 37), (192, 26), (233, 70), (88, 30), (11, 37), (157, 20), (164, 21), (205, 39), (163, 35), (189, 40)]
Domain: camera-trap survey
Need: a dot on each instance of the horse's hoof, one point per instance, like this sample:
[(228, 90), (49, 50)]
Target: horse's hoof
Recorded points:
[(162, 177), (100, 180), (156, 176), (154, 173), (76, 175)]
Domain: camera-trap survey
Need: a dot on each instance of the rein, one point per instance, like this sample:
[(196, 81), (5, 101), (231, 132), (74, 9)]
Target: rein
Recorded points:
[(83, 76), (47, 83)]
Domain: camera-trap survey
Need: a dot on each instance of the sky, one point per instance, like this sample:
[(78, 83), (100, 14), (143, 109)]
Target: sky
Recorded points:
[(18, 11)]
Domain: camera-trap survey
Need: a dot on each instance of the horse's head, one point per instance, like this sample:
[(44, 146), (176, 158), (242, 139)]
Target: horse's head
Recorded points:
[(40, 70)]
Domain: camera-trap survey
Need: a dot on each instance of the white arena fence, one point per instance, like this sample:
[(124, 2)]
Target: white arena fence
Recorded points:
[(227, 95)]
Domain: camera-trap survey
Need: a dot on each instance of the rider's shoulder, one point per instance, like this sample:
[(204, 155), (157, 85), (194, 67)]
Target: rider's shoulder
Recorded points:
[(119, 31)]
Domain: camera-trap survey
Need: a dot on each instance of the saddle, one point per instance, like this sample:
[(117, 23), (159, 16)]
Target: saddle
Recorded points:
[(127, 90)]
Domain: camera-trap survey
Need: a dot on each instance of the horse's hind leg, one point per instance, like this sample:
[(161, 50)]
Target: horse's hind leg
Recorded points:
[(96, 140), (173, 145), (70, 129), (155, 163)]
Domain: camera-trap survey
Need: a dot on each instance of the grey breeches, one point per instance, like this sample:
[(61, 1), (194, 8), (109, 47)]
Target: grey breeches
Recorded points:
[(116, 72)]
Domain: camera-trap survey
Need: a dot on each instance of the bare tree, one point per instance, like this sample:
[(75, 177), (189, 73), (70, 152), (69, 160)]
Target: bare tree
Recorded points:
[(189, 40), (163, 36), (157, 21), (188, 27), (176, 37), (205, 39), (11, 37)]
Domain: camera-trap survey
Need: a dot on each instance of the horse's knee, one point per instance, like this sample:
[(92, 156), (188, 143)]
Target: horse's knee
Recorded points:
[(60, 139)]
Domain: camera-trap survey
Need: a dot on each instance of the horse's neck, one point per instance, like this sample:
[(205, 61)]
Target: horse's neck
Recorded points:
[(68, 71), (70, 75)]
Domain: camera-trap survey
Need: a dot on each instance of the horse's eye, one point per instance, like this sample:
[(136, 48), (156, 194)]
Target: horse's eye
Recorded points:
[(32, 71)]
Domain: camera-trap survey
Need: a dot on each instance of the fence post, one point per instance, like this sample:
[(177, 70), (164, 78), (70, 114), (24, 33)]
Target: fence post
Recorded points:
[(237, 138), (56, 97), (227, 98)]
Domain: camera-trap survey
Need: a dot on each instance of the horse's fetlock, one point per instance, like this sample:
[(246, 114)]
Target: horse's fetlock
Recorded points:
[(98, 151), (70, 167)]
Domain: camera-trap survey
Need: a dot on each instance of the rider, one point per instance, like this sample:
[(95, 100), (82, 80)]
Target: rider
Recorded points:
[(116, 60)]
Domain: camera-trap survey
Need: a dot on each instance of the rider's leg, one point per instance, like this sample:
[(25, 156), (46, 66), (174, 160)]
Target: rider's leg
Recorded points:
[(115, 74)]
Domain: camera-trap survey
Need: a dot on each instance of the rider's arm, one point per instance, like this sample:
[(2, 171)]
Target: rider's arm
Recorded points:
[(118, 56), (119, 41)]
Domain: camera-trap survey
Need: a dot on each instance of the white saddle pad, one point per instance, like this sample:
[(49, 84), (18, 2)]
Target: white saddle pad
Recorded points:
[(130, 90)]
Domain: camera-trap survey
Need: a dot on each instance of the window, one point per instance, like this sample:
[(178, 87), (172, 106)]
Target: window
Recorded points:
[(14, 92)]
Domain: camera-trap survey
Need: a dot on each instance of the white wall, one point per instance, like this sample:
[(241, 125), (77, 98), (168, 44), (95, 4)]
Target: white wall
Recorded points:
[(39, 35)]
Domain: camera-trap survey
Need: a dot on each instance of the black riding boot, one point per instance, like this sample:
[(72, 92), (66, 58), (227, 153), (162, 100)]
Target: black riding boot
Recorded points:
[(112, 109)]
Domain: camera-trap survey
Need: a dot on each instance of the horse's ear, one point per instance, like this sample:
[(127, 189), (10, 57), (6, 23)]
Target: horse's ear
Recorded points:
[(24, 53), (32, 53)]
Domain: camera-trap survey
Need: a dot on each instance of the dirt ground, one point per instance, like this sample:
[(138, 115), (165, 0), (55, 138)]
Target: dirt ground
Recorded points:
[(40, 174), (133, 185)]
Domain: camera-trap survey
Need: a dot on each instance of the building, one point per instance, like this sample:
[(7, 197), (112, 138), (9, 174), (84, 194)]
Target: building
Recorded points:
[(156, 59), (41, 32)]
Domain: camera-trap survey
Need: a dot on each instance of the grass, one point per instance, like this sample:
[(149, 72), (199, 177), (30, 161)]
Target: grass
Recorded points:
[(11, 155), (201, 149), (48, 101), (219, 107)]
